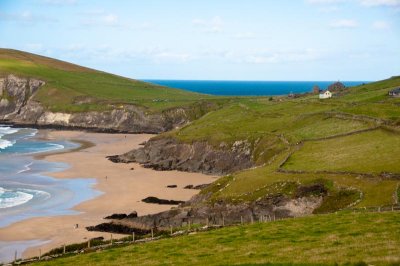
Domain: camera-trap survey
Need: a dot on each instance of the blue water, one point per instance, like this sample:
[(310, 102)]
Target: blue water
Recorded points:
[(248, 88), (24, 190)]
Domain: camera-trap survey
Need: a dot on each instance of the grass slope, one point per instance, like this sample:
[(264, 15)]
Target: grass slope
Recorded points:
[(369, 152), (372, 238), (274, 129), (71, 88)]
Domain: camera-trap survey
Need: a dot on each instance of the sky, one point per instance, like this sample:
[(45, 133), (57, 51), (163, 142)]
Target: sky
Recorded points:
[(212, 39)]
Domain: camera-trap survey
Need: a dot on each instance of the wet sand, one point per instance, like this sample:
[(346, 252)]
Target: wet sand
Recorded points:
[(122, 188)]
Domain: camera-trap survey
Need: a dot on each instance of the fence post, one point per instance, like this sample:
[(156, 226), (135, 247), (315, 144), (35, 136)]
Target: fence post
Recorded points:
[(40, 253), (189, 225), (133, 236), (111, 239), (207, 222), (88, 243), (170, 228), (15, 257), (152, 233), (64, 249), (223, 221), (251, 219), (241, 219)]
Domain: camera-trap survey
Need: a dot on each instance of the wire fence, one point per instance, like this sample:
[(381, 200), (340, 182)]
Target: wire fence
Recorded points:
[(188, 227)]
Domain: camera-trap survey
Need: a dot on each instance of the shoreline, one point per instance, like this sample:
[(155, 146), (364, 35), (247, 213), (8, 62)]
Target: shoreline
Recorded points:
[(122, 189)]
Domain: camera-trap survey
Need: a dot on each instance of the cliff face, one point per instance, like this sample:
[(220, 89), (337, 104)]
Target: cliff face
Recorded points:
[(198, 211), (168, 154), (18, 106)]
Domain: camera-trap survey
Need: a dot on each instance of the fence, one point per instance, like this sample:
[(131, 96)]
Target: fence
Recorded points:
[(187, 228)]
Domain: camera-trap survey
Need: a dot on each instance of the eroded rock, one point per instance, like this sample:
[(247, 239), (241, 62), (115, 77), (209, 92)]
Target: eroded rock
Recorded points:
[(169, 154)]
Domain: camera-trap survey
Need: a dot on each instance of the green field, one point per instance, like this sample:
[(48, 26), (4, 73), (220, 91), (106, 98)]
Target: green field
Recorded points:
[(370, 152), (71, 88), (344, 238)]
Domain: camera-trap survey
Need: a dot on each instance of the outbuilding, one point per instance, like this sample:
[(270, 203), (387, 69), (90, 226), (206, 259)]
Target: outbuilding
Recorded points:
[(325, 95)]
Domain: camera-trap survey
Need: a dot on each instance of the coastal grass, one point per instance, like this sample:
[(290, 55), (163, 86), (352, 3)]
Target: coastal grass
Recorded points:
[(368, 152), (332, 239), (71, 88), (249, 185)]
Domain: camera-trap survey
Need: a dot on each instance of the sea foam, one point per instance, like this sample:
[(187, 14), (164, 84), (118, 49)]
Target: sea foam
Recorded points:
[(5, 130), (14, 197)]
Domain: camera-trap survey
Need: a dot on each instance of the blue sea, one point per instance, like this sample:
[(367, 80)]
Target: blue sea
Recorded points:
[(25, 191), (247, 88)]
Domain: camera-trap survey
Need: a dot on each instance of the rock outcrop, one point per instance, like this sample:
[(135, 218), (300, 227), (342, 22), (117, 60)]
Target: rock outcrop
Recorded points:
[(221, 213), (18, 106), (170, 154)]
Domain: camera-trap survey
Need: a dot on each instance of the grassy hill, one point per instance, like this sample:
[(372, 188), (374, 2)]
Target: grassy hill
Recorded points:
[(68, 85), (343, 238), (349, 140), (350, 143)]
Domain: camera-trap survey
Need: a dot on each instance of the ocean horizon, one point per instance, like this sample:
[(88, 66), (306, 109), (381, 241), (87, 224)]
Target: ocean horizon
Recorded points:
[(247, 87)]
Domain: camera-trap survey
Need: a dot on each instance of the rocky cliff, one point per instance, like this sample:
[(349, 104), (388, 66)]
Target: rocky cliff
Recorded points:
[(17, 105), (167, 153), (200, 211)]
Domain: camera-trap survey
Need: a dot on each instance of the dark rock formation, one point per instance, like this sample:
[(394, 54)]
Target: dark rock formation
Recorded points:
[(156, 200), (172, 186), (116, 227), (117, 216), (132, 215), (267, 208), (196, 187), (170, 154)]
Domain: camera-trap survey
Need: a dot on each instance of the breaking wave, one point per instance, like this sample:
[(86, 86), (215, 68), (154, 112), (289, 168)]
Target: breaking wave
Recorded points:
[(14, 197)]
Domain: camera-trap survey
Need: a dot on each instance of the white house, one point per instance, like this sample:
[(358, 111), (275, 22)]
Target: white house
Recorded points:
[(325, 95)]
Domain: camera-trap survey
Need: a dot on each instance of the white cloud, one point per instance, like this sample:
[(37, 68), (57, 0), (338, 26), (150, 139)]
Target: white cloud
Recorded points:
[(377, 3), (328, 9), (244, 35), (213, 25), (344, 23), (364, 3), (26, 17), (60, 2), (324, 2), (102, 19), (380, 25), (107, 53), (171, 57), (267, 57)]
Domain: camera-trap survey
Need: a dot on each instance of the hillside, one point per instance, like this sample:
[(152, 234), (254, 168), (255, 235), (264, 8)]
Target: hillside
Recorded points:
[(349, 141), (67, 83), (282, 157), (334, 239), (37, 90)]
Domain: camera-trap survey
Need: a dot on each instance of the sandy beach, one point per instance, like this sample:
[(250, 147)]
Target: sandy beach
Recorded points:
[(122, 190)]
